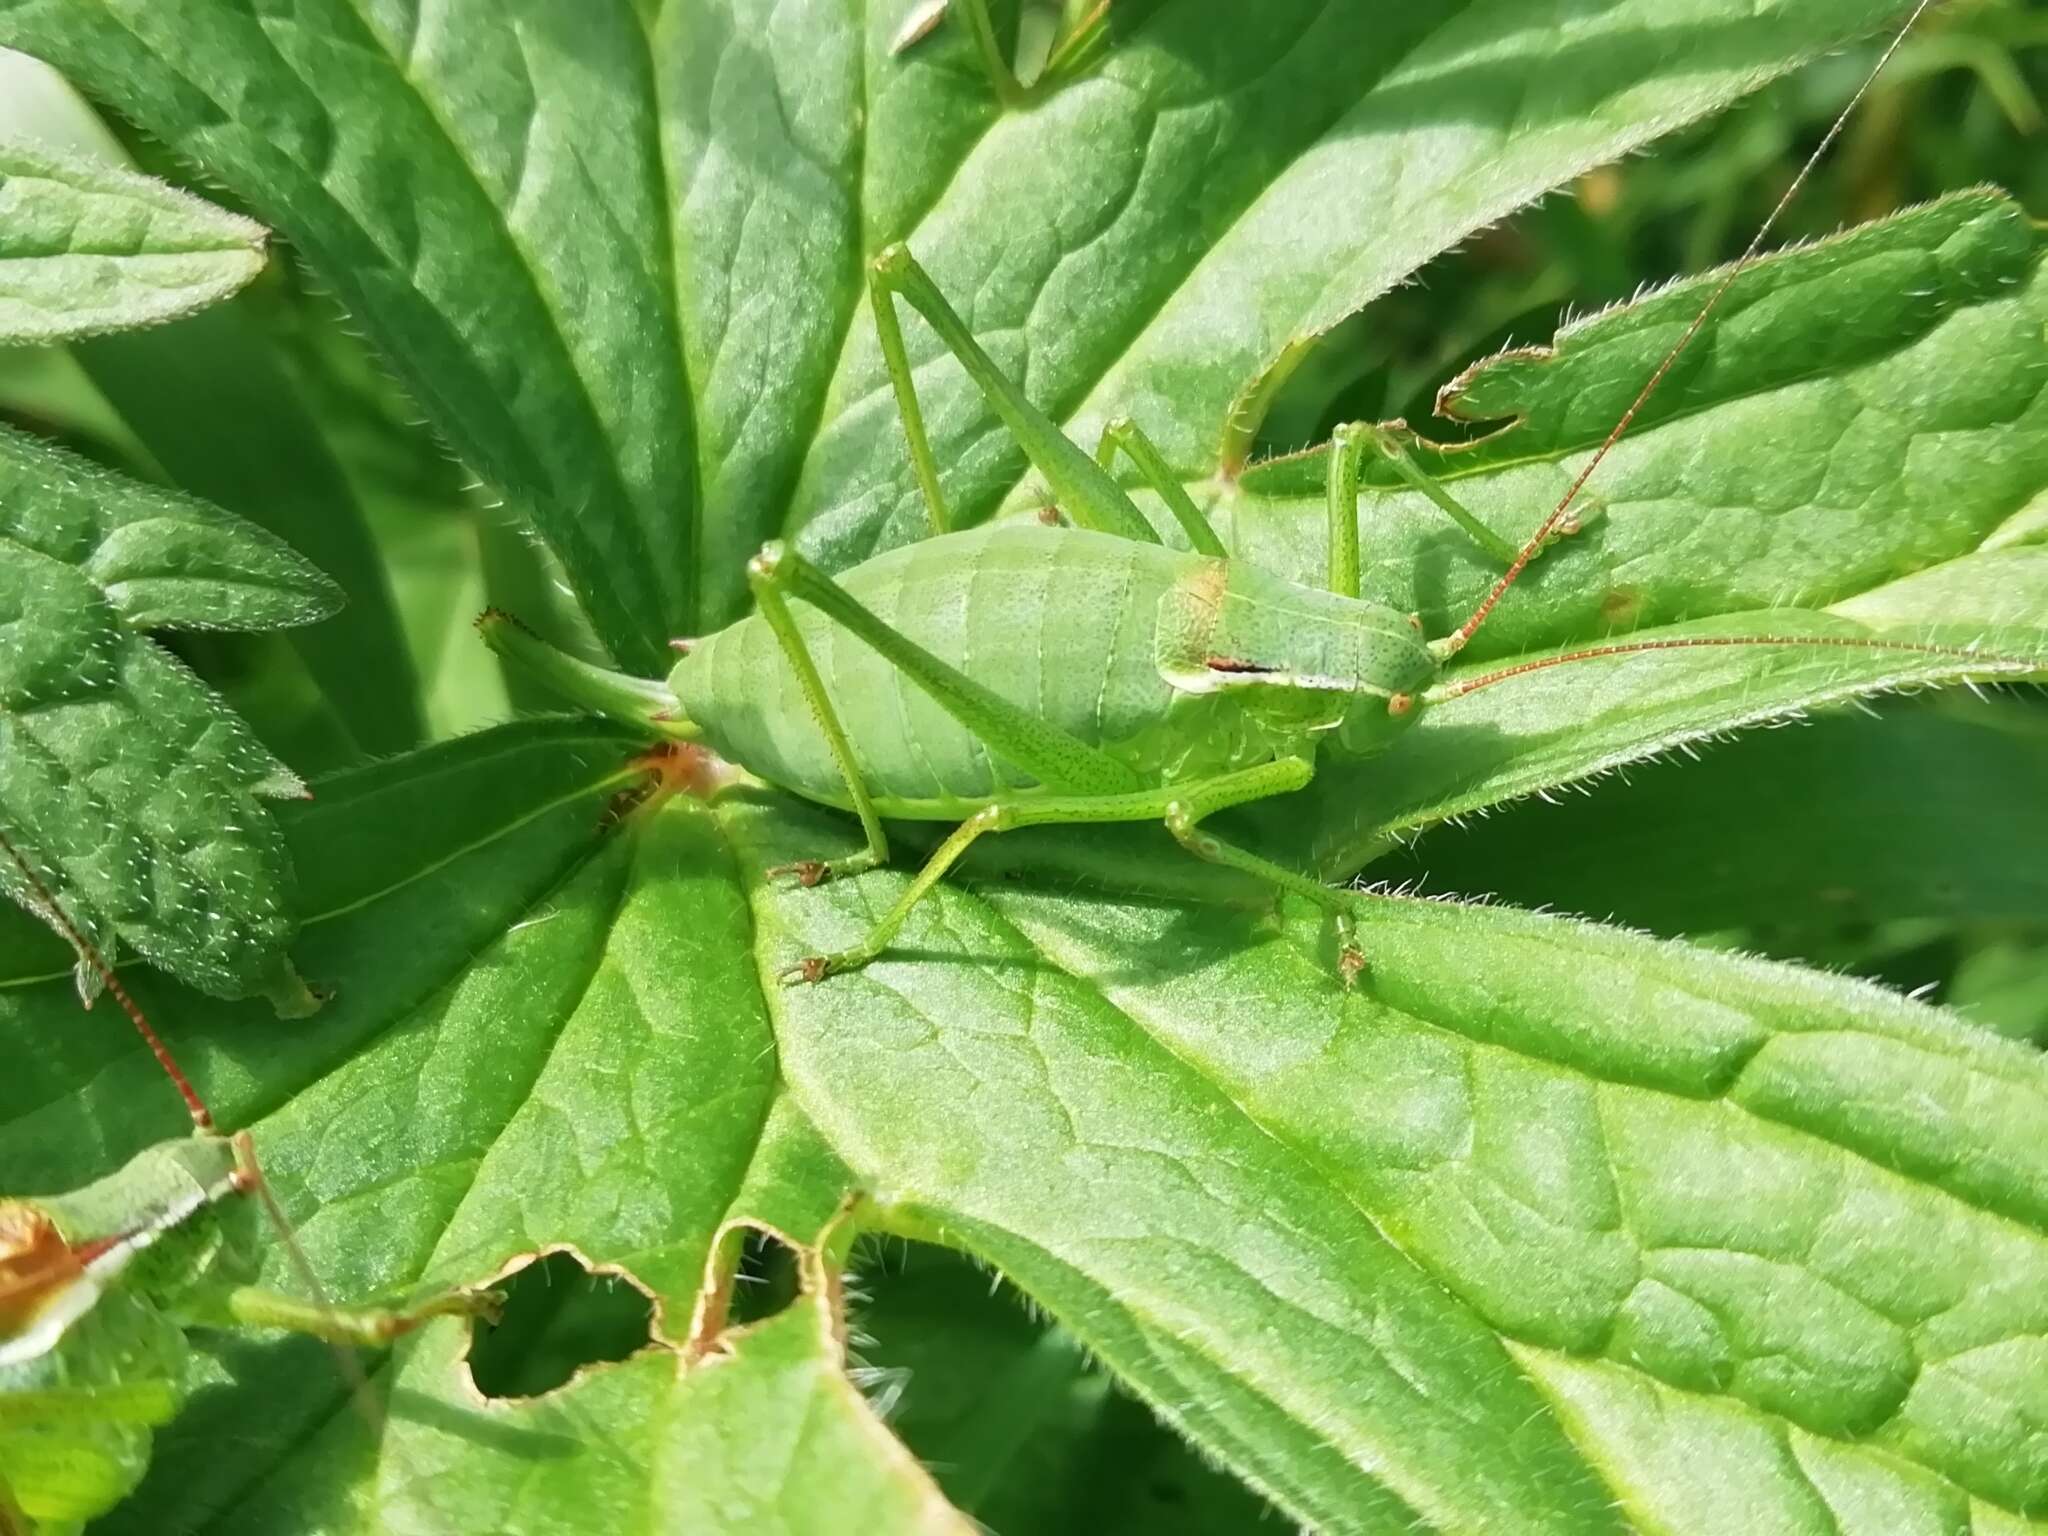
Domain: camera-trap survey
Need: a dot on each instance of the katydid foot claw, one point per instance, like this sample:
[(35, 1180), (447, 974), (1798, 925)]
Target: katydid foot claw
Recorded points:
[(806, 972), (1351, 962), (1350, 965), (808, 872), (482, 1304)]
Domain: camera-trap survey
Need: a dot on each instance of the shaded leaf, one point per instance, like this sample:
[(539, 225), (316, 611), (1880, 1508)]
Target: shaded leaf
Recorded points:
[(1774, 831), (86, 248), (1020, 1429)]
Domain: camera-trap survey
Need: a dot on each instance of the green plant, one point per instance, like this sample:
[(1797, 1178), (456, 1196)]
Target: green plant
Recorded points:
[(1552, 1226)]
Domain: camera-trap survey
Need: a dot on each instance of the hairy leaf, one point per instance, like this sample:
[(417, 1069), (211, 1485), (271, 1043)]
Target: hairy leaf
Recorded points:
[(621, 267), (1546, 1227), (126, 784), (1540, 1239), (1771, 831), (86, 248)]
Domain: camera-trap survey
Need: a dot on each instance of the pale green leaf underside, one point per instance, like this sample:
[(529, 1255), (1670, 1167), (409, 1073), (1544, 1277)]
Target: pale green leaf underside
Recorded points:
[(124, 780), (86, 248), (1538, 1241)]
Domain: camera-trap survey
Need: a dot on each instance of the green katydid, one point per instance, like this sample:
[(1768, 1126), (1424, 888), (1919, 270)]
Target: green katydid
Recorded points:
[(98, 1285), (1180, 682)]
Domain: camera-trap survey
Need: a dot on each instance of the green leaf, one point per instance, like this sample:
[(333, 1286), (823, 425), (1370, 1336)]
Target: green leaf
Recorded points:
[(124, 782), (85, 248), (512, 252), (1857, 411), (1781, 486), (1547, 1227), (625, 327), (1541, 1240)]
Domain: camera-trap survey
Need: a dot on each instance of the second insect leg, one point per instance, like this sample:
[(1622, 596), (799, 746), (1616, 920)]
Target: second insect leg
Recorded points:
[(1182, 807)]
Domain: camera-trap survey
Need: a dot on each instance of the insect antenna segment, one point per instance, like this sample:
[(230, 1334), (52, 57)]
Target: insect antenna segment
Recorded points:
[(248, 1178), (1561, 513), (46, 900)]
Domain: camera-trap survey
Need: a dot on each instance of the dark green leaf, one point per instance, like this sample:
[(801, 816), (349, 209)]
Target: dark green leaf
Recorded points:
[(1848, 820), (125, 783)]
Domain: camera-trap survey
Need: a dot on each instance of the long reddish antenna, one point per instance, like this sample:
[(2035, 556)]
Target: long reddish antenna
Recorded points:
[(1457, 641), (1458, 687), (248, 1172), (46, 899)]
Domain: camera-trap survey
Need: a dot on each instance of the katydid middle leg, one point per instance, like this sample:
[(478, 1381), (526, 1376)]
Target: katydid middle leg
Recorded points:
[(1182, 807), (367, 1327), (1349, 446), (1126, 436)]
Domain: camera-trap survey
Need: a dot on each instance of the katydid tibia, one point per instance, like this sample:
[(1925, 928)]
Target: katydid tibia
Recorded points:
[(1086, 673), (98, 1286)]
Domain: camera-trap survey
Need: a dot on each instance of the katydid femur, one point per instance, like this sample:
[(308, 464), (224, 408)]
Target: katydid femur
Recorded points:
[(98, 1285), (1083, 674)]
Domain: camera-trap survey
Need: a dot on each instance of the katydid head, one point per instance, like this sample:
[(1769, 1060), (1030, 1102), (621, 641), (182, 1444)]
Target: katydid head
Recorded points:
[(1301, 659)]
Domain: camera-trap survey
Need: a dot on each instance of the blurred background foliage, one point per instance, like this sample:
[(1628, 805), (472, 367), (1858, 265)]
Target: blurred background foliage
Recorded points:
[(274, 407)]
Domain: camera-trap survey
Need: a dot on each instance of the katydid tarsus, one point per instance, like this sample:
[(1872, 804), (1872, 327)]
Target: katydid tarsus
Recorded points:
[(1088, 673), (99, 1284)]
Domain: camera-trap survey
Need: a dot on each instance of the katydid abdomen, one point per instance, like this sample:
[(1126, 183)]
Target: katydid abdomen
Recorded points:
[(1061, 622)]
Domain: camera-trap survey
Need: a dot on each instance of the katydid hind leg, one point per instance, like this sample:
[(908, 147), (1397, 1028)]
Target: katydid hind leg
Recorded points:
[(1090, 498), (1125, 436)]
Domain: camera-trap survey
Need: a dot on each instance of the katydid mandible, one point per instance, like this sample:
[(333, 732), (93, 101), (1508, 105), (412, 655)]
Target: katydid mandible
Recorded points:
[(1186, 682), (99, 1284)]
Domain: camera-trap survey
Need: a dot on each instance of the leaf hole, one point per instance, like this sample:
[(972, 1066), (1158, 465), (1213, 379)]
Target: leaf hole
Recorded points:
[(768, 1278), (560, 1316)]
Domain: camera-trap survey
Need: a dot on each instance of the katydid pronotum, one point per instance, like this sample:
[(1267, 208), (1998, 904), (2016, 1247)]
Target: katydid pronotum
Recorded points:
[(98, 1285), (1185, 682)]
